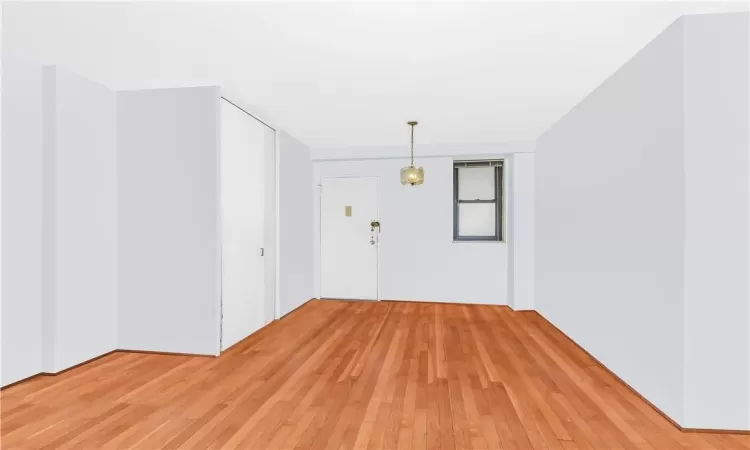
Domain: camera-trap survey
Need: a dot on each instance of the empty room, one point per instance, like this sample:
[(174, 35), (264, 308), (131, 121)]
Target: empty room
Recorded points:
[(375, 225)]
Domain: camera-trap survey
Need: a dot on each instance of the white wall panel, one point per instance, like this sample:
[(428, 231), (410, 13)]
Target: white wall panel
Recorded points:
[(295, 227), (642, 230), (520, 230), (168, 209), (63, 125), (85, 220), (21, 220), (717, 226), (610, 223)]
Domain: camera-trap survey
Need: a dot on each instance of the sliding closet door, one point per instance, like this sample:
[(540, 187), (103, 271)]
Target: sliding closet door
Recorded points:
[(243, 210)]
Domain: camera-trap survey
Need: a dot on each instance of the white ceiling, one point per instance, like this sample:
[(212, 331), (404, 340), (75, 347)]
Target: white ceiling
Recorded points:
[(351, 74)]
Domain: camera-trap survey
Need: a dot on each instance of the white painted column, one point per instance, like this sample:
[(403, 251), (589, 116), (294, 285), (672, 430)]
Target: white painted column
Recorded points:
[(520, 231)]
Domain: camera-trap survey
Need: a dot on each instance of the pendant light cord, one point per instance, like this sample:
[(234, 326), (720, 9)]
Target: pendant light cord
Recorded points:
[(412, 145)]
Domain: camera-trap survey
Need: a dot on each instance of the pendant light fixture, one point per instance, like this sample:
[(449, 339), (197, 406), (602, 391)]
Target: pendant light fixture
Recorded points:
[(412, 175)]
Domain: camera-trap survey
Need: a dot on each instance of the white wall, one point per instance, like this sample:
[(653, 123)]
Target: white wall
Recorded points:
[(295, 224), (21, 220), (717, 295), (60, 201), (643, 234), (610, 223), (419, 221), (520, 226), (49, 227), (168, 220), (1, 202), (85, 220)]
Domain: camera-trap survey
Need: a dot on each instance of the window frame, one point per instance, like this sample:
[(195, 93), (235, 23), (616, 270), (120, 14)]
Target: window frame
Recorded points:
[(499, 201)]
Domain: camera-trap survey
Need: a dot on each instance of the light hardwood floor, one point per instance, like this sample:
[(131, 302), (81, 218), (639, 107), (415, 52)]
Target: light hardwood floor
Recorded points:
[(352, 375)]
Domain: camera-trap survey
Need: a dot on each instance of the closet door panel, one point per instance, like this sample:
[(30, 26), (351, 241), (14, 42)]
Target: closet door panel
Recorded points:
[(243, 210)]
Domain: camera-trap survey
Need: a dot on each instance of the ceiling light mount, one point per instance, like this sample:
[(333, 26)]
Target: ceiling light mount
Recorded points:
[(411, 174)]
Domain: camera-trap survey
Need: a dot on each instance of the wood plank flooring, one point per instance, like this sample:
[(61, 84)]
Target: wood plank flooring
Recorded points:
[(352, 375)]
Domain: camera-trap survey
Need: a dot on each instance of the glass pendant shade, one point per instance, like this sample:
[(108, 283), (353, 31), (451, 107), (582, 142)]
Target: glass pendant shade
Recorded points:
[(412, 175)]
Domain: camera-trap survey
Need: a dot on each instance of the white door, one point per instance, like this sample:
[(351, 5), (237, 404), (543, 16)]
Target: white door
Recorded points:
[(242, 225), (348, 242)]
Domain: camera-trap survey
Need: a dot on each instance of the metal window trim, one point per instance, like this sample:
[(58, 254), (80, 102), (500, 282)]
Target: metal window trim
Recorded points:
[(478, 201), (476, 239), (499, 202), (478, 163), (455, 203)]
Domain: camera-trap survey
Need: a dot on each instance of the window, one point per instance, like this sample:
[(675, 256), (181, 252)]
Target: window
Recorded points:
[(478, 201)]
